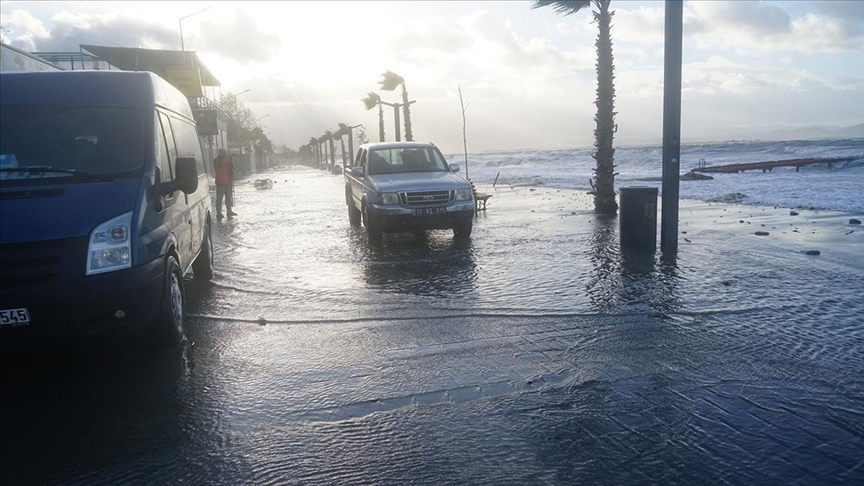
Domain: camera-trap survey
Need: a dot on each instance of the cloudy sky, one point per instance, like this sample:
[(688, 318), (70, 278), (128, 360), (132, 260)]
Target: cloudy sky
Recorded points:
[(527, 74)]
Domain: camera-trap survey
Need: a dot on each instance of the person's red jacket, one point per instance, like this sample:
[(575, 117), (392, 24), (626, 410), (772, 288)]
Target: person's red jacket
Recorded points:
[(223, 171)]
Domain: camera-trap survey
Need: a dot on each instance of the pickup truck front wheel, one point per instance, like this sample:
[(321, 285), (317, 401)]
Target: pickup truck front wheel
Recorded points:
[(463, 229), (373, 231), (353, 215)]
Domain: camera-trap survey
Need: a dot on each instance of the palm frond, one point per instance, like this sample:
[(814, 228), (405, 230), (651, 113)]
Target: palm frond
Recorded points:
[(371, 100), (563, 7), (390, 81)]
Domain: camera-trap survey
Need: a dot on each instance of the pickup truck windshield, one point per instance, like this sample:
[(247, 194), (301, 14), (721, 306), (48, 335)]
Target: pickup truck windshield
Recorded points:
[(400, 160), (102, 142)]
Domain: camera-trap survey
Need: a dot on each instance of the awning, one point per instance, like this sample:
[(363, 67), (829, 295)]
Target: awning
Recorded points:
[(153, 60)]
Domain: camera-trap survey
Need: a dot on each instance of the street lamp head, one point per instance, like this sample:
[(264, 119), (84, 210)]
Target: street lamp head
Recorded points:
[(182, 44)]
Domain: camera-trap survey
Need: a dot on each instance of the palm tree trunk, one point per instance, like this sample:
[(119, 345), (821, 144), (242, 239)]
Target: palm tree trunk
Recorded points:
[(604, 198), (350, 148), (332, 153), (342, 142), (406, 112), (380, 122)]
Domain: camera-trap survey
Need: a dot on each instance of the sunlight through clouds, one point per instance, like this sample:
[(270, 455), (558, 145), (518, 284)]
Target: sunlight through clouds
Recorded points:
[(529, 73)]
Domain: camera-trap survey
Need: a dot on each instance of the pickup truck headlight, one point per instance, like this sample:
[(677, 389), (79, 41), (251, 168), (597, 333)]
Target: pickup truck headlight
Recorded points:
[(384, 197), (110, 246), (464, 195)]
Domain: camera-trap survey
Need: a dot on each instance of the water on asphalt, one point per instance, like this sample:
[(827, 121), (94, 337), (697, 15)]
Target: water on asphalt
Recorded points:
[(534, 353)]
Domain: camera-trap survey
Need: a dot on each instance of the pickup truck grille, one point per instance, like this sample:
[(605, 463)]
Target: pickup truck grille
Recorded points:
[(29, 263), (426, 198)]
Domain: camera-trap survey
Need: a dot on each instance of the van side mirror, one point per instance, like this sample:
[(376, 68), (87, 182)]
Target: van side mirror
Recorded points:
[(357, 171), (187, 177), (454, 167)]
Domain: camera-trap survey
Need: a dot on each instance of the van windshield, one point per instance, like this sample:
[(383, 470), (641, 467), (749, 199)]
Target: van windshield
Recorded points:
[(61, 141)]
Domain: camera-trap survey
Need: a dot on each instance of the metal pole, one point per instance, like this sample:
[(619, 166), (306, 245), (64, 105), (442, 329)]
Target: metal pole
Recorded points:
[(182, 46), (671, 124), (396, 118)]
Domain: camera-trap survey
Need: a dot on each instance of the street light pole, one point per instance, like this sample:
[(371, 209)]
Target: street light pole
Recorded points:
[(396, 113), (182, 45), (671, 125)]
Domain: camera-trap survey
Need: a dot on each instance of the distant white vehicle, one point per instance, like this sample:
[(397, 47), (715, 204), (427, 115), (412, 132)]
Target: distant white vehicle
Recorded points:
[(406, 186)]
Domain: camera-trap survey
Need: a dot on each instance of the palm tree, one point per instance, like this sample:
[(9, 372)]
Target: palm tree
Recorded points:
[(389, 83), (313, 144), (346, 130), (329, 136), (322, 142), (604, 194), (343, 130), (371, 100)]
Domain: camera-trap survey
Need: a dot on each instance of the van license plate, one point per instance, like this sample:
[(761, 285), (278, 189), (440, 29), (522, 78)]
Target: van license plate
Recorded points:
[(424, 211), (14, 317)]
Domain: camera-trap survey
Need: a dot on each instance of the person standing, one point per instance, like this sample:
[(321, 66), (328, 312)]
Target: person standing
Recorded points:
[(224, 168)]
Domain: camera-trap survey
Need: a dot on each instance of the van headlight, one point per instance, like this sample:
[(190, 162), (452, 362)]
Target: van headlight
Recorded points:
[(384, 198), (110, 246), (464, 195)]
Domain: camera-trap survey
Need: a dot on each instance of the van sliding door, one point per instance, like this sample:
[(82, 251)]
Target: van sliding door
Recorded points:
[(177, 214)]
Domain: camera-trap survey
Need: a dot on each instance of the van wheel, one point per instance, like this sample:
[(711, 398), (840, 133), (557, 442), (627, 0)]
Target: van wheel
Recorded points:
[(172, 312), (463, 229), (203, 265)]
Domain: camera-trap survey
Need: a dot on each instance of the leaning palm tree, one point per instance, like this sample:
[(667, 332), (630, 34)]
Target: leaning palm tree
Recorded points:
[(389, 83), (604, 193), (347, 130), (343, 130), (371, 100)]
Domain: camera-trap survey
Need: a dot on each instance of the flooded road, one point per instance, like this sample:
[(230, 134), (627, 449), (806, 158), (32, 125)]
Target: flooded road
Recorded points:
[(535, 353)]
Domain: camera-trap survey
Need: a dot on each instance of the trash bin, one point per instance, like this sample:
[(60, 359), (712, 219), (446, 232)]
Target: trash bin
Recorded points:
[(638, 221)]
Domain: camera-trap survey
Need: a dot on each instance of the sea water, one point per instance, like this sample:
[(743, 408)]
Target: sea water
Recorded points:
[(818, 186)]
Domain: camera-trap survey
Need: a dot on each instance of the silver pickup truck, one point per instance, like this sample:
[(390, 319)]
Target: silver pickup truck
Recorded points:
[(407, 186)]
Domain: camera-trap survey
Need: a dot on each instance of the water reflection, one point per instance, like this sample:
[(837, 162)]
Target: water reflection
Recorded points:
[(647, 284), (60, 403), (424, 264), (604, 283), (625, 279)]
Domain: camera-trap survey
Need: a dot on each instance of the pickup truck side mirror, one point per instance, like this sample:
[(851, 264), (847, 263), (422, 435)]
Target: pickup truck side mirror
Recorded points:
[(187, 177), (454, 167), (357, 171)]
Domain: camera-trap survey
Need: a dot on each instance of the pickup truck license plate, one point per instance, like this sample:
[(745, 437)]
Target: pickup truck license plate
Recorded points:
[(14, 317), (425, 211)]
